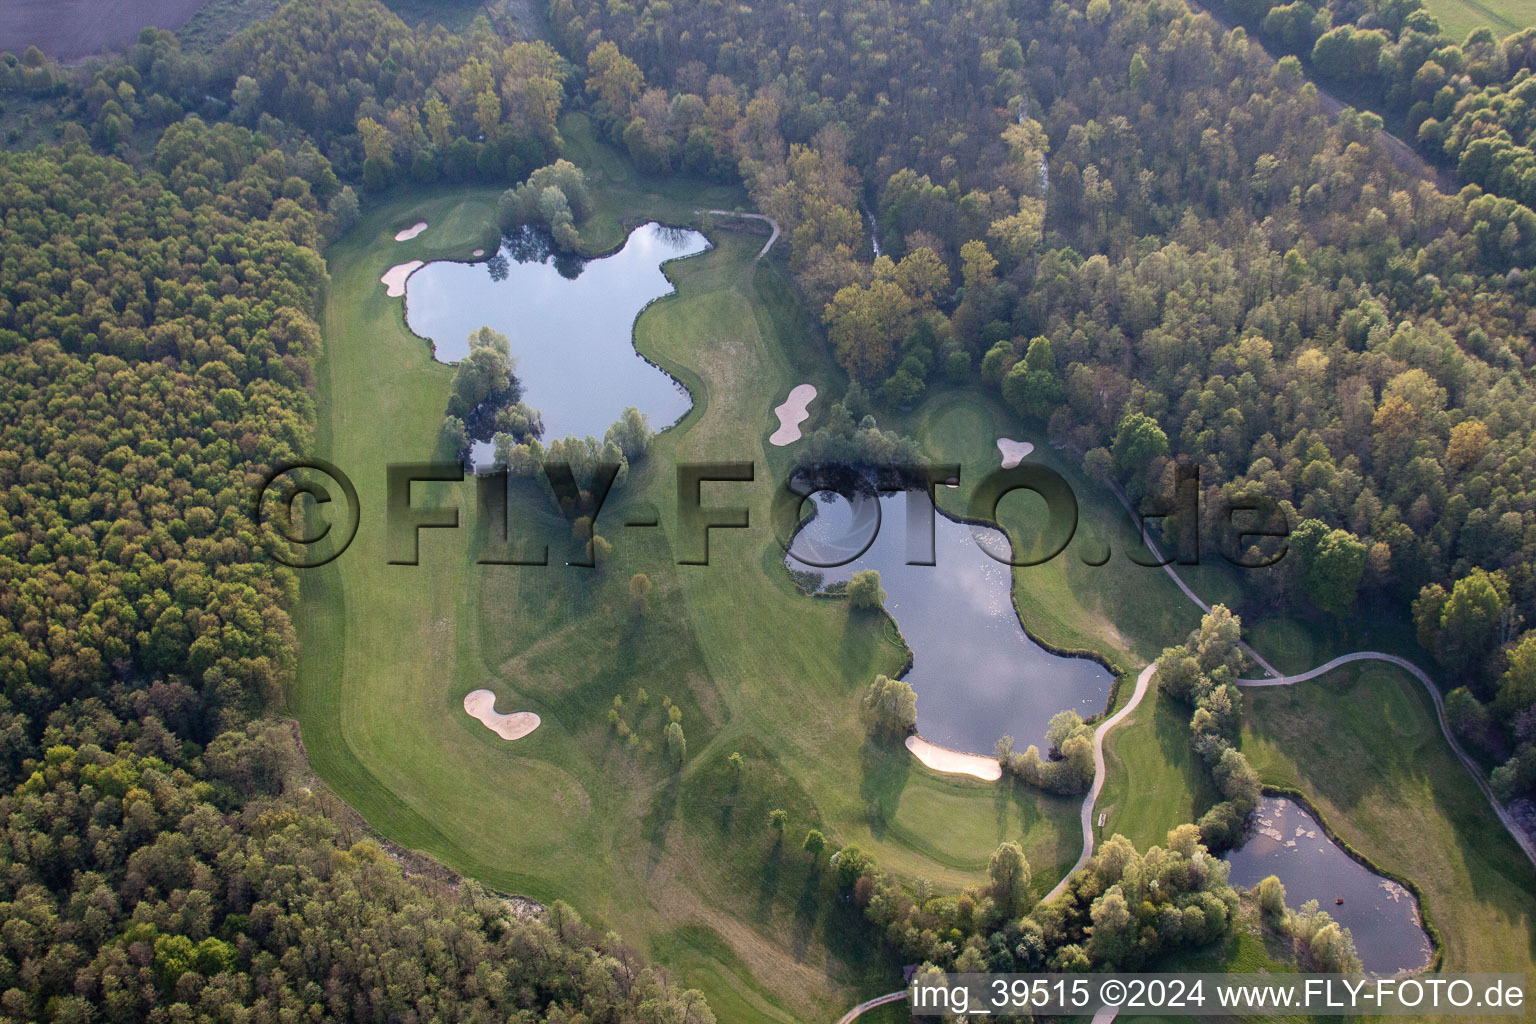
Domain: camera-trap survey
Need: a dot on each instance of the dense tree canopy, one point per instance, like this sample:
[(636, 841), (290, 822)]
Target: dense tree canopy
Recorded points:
[(155, 347), (138, 890)]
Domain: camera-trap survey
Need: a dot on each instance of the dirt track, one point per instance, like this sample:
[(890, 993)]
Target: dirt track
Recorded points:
[(68, 29)]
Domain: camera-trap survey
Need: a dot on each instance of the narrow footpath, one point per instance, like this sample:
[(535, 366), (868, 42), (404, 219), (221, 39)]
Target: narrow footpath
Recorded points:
[(774, 237)]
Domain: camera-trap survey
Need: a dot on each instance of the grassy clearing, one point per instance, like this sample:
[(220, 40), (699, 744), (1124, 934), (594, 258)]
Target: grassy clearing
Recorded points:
[(217, 20), (1505, 17), (454, 15), (682, 864)]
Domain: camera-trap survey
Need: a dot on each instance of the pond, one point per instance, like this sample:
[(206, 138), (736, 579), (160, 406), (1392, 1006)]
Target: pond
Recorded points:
[(1287, 842), (570, 323), (976, 672)]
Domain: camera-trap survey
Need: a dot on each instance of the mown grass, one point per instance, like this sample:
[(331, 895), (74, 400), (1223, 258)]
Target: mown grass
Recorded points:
[(681, 863), (1505, 17)]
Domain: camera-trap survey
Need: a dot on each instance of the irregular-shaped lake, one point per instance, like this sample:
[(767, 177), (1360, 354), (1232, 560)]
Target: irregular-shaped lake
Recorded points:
[(1287, 842), (977, 674), (570, 323)]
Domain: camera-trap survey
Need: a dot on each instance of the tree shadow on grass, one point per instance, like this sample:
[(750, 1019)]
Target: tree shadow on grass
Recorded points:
[(1018, 803), (659, 822), (863, 632), (769, 878), (1171, 722), (1006, 793), (883, 771), (807, 910)]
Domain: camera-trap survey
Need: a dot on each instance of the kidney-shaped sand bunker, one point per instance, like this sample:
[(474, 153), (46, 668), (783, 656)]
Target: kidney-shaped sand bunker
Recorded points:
[(481, 704)]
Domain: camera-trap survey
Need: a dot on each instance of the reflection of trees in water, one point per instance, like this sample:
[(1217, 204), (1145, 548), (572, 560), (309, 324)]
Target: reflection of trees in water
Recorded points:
[(530, 244), (674, 238), (527, 245)]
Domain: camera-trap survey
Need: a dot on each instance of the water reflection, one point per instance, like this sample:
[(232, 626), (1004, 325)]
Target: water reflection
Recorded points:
[(1287, 842), (570, 323), (976, 672)]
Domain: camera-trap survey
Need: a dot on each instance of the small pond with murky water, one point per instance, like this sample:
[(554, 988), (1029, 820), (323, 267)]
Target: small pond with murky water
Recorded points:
[(1287, 842)]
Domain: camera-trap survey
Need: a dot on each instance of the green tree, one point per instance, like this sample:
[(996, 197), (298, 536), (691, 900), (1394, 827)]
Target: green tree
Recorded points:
[(1517, 686), (677, 744), (864, 589), (640, 593), (890, 706), (1272, 899), (1331, 564), (866, 324), (814, 843), (614, 80), (1473, 620), (1114, 928), (1062, 725), (1138, 440), (1008, 871), (486, 372), (632, 433)]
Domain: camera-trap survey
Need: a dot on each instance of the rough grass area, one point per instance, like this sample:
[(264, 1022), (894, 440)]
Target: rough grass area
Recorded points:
[(217, 20)]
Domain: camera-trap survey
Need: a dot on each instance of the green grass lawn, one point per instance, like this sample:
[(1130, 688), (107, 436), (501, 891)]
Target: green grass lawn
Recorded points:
[(1505, 17), (681, 863)]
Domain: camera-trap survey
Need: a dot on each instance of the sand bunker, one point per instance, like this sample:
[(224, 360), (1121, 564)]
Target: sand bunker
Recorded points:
[(394, 277), (478, 253), (481, 704), (406, 234), (791, 414), (942, 759), (1013, 451)]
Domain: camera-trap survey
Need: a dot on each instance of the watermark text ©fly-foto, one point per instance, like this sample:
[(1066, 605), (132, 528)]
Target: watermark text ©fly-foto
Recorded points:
[(310, 538)]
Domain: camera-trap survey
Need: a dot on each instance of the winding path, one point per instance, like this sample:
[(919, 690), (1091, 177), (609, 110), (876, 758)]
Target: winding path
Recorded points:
[(1157, 553), (1516, 832), (1142, 681), (870, 1004), (751, 216)]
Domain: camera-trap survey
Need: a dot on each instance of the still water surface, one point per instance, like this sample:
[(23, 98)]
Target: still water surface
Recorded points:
[(570, 324), (1287, 842), (978, 676)]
